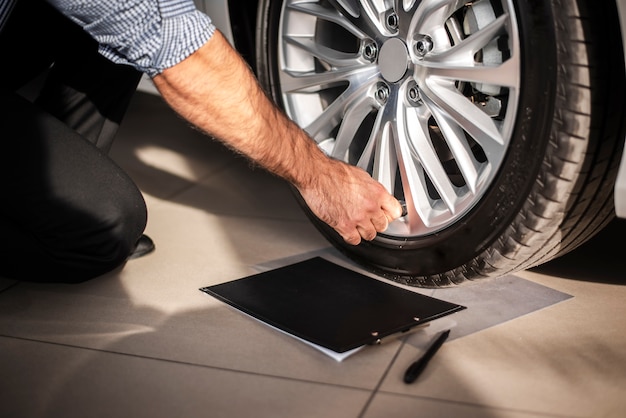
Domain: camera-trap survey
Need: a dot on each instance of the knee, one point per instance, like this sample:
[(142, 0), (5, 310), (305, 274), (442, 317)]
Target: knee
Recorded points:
[(108, 244), (109, 233), (83, 250)]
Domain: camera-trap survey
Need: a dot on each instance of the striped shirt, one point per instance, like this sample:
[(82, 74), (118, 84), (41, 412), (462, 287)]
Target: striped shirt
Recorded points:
[(150, 35)]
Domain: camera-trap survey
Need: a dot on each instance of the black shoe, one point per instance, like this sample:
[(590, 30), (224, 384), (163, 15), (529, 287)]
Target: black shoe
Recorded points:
[(144, 246)]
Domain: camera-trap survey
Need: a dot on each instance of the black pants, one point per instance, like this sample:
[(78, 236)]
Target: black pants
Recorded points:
[(68, 213)]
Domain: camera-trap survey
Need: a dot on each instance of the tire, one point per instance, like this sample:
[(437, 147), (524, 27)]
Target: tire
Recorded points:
[(504, 154)]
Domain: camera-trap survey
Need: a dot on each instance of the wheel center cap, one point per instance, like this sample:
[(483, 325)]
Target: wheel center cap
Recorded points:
[(393, 60)]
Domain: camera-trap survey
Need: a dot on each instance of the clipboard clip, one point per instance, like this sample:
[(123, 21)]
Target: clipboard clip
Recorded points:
[(399, 334)]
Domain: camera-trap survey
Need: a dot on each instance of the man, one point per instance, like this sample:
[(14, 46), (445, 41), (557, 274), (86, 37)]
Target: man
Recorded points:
[(70, 212)]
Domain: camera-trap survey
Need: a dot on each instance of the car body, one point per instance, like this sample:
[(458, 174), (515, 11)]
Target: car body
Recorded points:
[(499, 124)]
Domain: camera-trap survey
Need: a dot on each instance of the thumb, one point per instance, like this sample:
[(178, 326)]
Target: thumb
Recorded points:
[(392, 208)]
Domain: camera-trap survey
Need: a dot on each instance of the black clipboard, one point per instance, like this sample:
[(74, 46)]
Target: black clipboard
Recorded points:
[(330, 305)]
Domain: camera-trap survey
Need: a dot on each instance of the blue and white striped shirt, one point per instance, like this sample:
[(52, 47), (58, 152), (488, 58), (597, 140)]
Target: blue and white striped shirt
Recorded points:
[(150, 35)]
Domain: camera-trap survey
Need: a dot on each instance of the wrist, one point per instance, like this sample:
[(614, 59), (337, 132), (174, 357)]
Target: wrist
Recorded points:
[(317, 170)]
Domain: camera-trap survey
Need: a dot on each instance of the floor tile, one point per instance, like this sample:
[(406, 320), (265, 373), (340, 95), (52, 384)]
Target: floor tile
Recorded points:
[(235, 192), (405, 406), (162, 153), (62, 381)]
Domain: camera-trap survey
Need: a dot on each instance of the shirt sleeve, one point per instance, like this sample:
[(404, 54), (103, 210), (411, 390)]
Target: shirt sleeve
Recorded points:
[(150, 35)]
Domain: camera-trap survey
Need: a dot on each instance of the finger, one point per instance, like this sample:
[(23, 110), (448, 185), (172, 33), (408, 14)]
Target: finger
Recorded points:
[(392, 208), (353, 238), (381, 222), (367, 233)]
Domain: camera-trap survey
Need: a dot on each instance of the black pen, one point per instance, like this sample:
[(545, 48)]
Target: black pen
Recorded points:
[(419, 365)]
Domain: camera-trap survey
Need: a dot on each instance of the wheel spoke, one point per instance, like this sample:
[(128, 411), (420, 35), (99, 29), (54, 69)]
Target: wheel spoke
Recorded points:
[(330, 15), (468, 47), (431, 15), (421, 145), (358, 110), (367, 15), (331, 56), (351, 7), (385, 161), (309, 81), (457, 142), (413, 183), (373, 142), (501, 75), (458, 63), (467, 115), (332, 115), (405, 9), (374, 11)]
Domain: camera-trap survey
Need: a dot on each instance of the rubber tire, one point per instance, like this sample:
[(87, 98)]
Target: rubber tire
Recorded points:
[(555, 187)]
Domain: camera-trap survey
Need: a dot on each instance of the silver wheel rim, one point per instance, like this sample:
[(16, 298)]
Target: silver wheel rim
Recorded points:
[(421, 94)]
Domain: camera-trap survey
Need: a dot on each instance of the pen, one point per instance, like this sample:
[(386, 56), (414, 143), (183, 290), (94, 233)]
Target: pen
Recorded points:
[(416, 368)]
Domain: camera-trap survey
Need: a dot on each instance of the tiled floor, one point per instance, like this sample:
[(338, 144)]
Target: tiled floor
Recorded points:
[(145, 342)]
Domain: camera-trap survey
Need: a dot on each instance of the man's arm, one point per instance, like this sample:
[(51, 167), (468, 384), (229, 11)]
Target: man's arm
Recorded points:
[(215, 90)]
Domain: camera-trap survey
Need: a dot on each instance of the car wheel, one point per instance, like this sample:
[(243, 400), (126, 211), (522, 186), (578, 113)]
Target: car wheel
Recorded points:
[(499, 124)]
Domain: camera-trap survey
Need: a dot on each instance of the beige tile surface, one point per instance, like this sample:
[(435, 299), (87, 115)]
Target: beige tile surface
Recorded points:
[(387, 405), (143, 341), (73, 382)]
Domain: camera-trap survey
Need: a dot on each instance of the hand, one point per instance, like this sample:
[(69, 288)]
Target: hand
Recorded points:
[(350, 201)]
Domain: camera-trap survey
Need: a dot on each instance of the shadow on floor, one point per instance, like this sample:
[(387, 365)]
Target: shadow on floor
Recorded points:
[(601, 259)]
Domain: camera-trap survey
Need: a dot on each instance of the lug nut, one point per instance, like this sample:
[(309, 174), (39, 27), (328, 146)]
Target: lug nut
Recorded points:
[(423, 45), (370, 50), (382, 93), (413, 94), (392, 21)]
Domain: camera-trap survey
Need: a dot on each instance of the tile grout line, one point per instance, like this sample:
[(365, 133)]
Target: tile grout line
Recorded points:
[(9, 287), (478, 405), (179, 362), (381, 380)]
